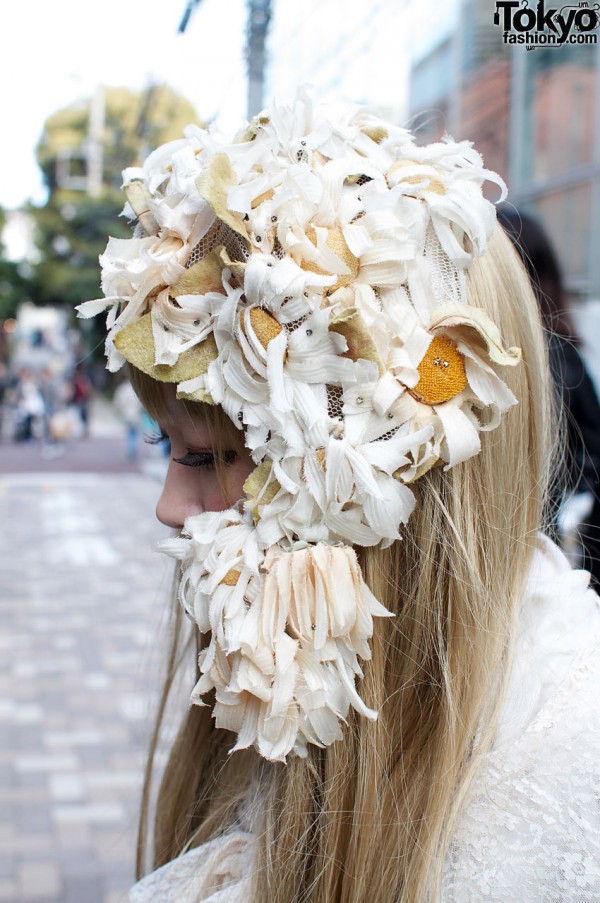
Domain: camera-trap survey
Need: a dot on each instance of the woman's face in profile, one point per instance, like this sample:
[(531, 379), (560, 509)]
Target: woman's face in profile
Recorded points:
[(195, 481)]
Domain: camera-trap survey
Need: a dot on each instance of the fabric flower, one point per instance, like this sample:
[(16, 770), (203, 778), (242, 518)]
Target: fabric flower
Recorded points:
[(287, 630)]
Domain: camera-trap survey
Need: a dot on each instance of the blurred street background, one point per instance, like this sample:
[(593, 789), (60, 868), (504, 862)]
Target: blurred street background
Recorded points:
[(82, 594), (82, 601)]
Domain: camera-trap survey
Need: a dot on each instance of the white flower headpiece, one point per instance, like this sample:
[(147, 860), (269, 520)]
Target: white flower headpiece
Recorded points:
[(309, 277)]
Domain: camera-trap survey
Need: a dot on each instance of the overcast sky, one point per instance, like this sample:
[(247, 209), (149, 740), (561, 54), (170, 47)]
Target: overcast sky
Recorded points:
[(55, 53)]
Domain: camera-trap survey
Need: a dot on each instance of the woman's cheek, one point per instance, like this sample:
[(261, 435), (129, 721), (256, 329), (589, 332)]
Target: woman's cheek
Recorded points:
[(236, 476)]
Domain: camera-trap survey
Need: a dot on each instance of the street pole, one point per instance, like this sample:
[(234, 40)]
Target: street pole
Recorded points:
[(94, 148), (259, 16)]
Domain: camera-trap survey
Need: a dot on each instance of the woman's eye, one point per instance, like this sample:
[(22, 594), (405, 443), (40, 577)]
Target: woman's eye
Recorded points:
[(196, 459), (206, 459)]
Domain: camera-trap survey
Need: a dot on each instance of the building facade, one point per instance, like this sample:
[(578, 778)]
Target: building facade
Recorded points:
[(535, 116)]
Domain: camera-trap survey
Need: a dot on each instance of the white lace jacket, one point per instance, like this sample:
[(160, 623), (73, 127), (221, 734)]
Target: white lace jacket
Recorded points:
[(530, 828)]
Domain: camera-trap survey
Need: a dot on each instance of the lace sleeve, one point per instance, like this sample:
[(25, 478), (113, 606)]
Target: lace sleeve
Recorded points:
[(216, 872), (530, 830)]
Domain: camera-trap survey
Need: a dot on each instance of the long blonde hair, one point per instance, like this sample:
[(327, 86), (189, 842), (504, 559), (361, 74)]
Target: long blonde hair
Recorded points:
[(370, 817)]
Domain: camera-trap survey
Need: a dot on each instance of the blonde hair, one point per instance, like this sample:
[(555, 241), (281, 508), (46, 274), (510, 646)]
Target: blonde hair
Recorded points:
[(371, 817)]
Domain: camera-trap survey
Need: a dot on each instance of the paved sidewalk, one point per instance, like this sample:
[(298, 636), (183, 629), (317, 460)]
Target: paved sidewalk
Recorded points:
[(81, 602)]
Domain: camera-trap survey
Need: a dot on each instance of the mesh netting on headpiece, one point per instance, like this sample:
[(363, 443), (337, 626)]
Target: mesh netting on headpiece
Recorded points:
[(219, 235)]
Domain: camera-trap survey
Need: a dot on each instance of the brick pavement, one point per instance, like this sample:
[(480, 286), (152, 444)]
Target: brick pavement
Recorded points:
[(81, 600)]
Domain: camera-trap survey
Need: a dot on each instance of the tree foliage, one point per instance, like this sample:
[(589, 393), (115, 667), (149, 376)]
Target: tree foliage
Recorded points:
[(73, 226), (14, 280), (132, 124), (71, 232)]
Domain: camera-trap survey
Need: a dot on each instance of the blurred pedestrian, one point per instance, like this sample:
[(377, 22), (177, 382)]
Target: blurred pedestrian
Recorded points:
[(53, 392), (29, 407), (4, 385), (129, 408), (81, 394), (579, 401)]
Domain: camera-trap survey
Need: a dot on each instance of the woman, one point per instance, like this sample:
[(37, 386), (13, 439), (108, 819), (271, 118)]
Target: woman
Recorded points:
[(346, 357)]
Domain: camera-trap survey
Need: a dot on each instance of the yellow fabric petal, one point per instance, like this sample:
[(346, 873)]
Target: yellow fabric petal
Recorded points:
[(336, 241), (350, 324), (375, 132), (265, 196), (212, 184), (237, 268), (260, 488), (201, 278), (254, 127), (136, 344)]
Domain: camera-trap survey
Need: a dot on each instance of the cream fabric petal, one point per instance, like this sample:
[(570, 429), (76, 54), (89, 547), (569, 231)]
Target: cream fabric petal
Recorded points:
[(247, 735), (385, 393), (349, 524), (364, 476), (277, 735), (449, 316), (253, 680), (324, 726), (461, 439), (388, 455), (486, 383), (394, 507), (243, 382), (93, 308), (357, 238), (348, 684), (286, 674), (315, 478)]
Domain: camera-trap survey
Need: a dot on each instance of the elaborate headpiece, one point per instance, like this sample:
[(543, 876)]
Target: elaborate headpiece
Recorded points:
[(309, 278)]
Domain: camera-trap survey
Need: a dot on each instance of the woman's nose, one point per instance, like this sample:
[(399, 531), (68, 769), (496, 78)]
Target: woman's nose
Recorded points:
[(179, 498)]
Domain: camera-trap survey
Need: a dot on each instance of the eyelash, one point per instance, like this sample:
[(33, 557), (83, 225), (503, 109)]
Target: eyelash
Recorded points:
[(192, 459), (207, 460)]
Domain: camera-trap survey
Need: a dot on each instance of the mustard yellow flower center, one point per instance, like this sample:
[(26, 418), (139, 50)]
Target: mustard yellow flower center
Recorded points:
[(442, 373), (264, 325), (231, 578)]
